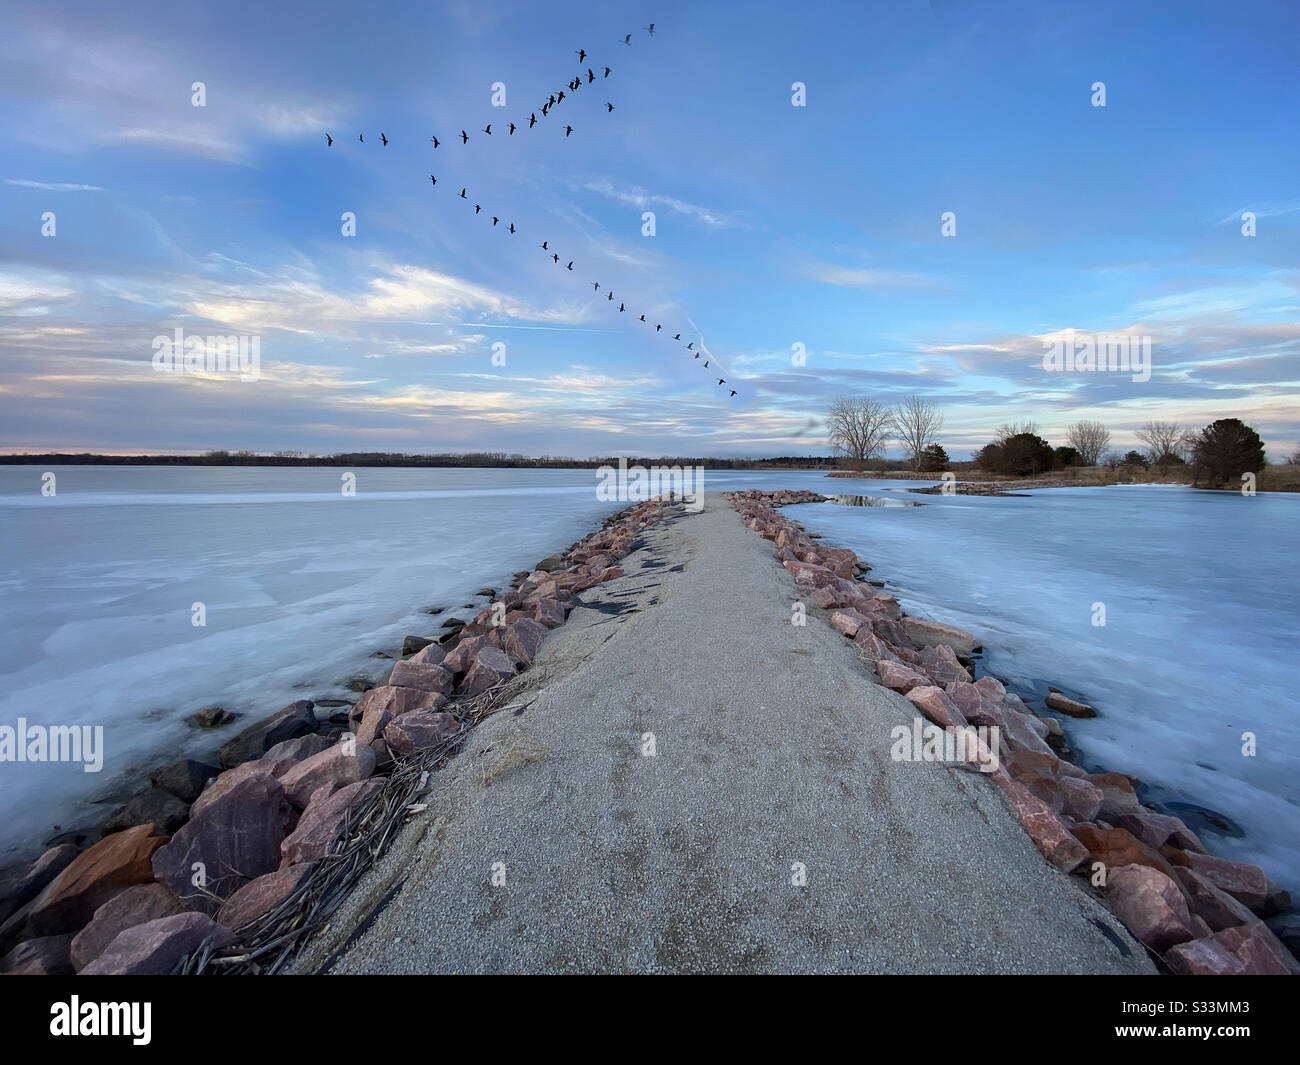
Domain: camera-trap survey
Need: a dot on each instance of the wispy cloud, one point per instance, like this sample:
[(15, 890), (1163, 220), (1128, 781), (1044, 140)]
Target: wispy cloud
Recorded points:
[(848, 277), (635, 196), (53, 186)]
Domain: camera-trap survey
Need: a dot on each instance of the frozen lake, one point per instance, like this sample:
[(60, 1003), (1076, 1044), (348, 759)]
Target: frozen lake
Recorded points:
[(301, 584)]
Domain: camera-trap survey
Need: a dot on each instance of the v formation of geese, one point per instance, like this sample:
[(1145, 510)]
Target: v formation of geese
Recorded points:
[(553, 101)]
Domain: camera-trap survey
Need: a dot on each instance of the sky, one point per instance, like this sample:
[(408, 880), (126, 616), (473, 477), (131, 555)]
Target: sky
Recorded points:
[(801, 247)]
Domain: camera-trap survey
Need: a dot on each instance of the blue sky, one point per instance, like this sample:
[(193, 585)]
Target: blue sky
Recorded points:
[(776, 225)]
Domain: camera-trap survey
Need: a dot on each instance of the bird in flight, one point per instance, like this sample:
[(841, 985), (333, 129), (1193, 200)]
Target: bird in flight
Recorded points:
[(545, 107), (658, 327), (643, 317), (555, 259), (721, 381), (706, 364), (697, 354), (361, 137), (433, 179), (544, 247), (733, 391), (532, 120), (488, 129), (462, 194), (650, 29), (435, 140), (590, 76), (628, 40), (552, 101), (384, 139), (610, 296), (464, 137), (691, 347), (559, 98), (495, 220), (608, 71), (329, 141), (621, 308), (677, 336), (582, 54), (570, 266), (512, 227), (610, 106), (595, 285), (512, 129), (568, 130), (477, 208)]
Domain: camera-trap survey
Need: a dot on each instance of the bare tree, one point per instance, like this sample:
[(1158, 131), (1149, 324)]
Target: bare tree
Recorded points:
[(1006, 431), (1089, 439), (858, 428), (916, 423), (1165, 441)]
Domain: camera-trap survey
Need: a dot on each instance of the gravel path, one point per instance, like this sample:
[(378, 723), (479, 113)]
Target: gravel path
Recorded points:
[(771, 749)]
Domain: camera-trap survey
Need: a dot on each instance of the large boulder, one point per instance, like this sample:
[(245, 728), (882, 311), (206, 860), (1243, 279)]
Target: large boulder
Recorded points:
[(925, 633), (397, 701), (232, 778), (419, 731), (1115, 847), (298, 749), (46, 956), (344, 763), (1246, 883), (1155, 830), (1243, 950), (939, 661), (1043, 827), (296, 719), (461, 657), (70, 900), (1081, 799), (550, 612), (898, 677), (259, 897), (323, 820), (491, 667), (230, 842), (1216, 908), (522, 640), (156, 947), (431, 654), (23, 883), (427, 678), (185, 779), (134, 906), (1118, 796), (153, 806), (1151, 904), (936, 706)]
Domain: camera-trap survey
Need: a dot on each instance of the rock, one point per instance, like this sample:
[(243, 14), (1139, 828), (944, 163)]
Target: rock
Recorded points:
[(1244, 950), (428, 678), (1155, 830), (550, 612), (156, 947), (936, 706), (522, 640), (184, 779), (924, 633), (551, 563), (1115, 847), (296, 719), (846, 624), (1057, 701), (898, 677), (418, 731), (397, 701), (259, 897), (235, 839), (233, 777), (23, 883), (411, 644), (1117, 795), (344, 763), (155, 807), (212, 717), (992, 688), (94, 876), (325, 817), (1081, 799), (461, 657), (134, 906), (942, 665), (1043, 827), (873, 646), (372, 725), (1216, 908), (1246, 883), (1040, 773), (298, 749), (491, 667), (432, 654), (1151, 905), (46, 956)]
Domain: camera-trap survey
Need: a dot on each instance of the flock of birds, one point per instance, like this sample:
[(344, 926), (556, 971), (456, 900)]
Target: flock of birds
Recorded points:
[(553, 101)]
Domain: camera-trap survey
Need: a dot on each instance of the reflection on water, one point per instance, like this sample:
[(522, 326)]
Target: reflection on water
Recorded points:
[(874, 501)]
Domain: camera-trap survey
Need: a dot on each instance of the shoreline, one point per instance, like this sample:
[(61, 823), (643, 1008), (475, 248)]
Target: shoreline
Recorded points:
[(439, 690)]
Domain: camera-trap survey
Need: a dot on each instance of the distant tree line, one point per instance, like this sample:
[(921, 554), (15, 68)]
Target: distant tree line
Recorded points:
[(475, 459)]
